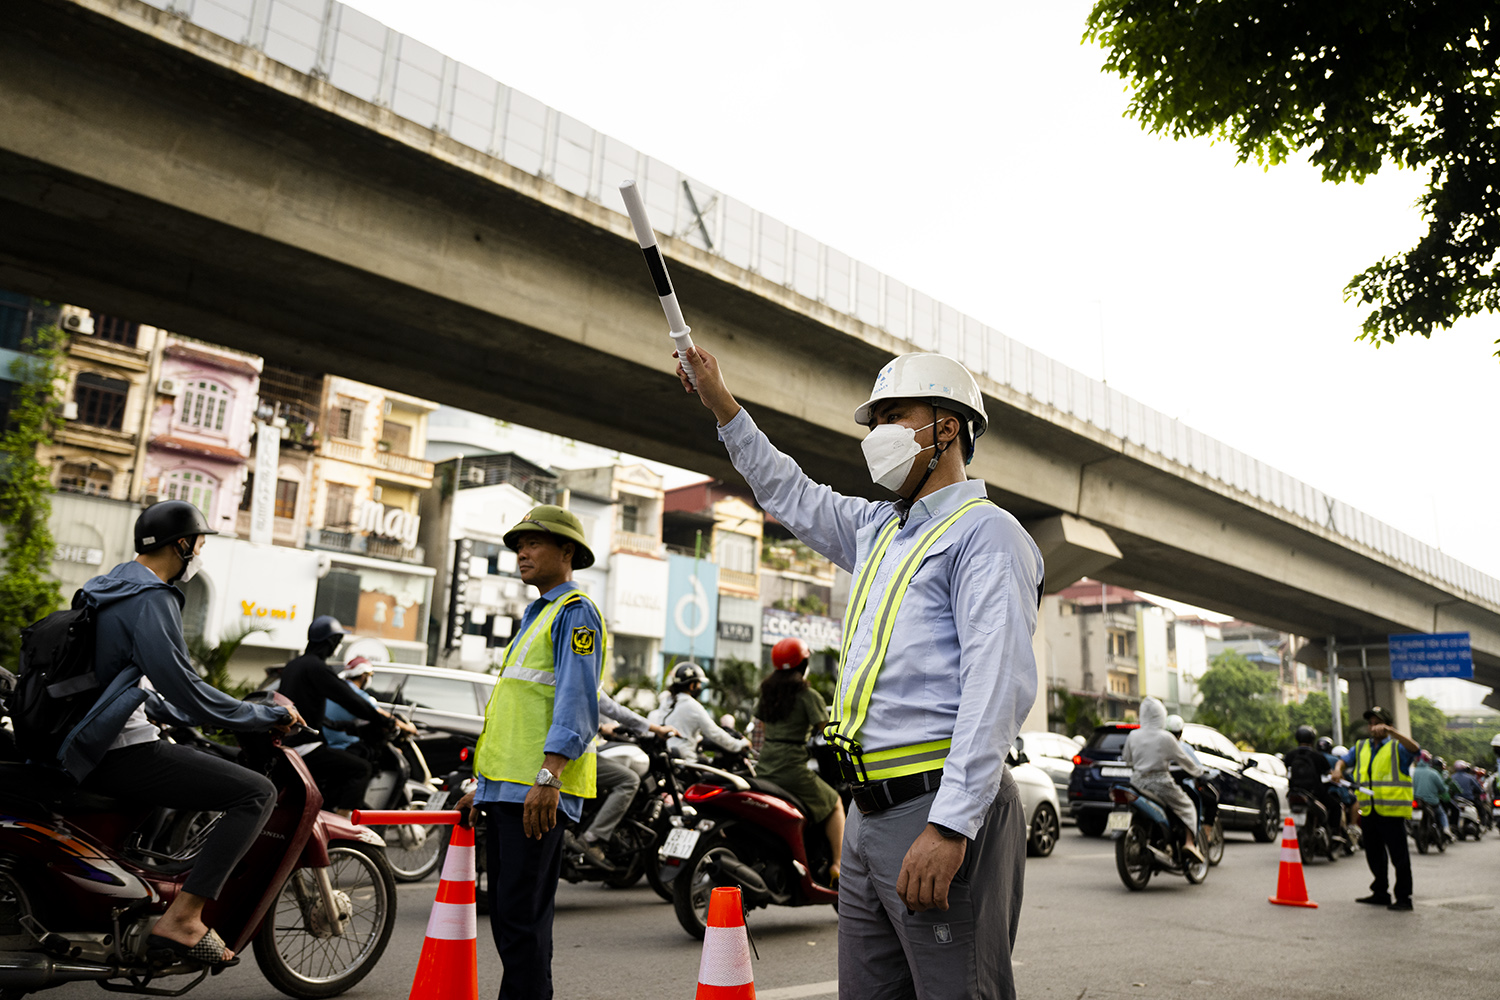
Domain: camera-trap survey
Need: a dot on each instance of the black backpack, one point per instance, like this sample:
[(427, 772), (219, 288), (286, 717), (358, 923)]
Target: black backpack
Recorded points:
[(57, 684), (1303, 770)]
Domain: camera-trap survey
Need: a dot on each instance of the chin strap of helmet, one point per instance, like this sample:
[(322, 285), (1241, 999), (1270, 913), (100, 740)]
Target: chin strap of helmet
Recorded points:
[(184, 549), (903, 506)]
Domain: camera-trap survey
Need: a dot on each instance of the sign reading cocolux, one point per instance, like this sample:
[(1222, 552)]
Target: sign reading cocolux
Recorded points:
[(1441, 654)]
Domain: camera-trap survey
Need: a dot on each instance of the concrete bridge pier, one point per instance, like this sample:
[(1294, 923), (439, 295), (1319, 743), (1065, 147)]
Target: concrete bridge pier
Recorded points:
[(1366, 666)]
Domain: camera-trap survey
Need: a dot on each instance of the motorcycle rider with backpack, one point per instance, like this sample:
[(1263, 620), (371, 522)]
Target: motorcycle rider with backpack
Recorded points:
[(115, 750), (1307, 769)]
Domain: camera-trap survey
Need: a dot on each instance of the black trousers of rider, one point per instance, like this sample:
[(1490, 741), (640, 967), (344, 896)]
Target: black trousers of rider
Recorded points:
[(177, 777), (523, 892), (1386, 835), (342, 777)]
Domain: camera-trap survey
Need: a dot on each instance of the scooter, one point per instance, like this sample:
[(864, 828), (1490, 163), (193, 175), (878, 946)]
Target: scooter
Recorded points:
[(1315, 837), (1468, 824), (744, 831), (80, 894), (1424, 828), (412, 850), (1149, 838)]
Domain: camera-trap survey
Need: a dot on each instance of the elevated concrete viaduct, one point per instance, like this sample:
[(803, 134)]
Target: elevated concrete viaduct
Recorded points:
[(157, 170)]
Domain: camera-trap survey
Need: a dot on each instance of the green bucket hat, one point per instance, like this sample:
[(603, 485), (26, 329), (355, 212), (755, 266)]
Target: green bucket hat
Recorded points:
[(555, 521)]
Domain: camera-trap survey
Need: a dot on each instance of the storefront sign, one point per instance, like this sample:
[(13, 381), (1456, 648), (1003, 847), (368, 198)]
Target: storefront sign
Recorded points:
[(388, 522), (78, 554), (263, 488), (736, 632), (252, 611), (817, 631)]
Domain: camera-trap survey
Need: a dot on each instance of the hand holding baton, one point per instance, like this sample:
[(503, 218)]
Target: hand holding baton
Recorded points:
[(646, 237)]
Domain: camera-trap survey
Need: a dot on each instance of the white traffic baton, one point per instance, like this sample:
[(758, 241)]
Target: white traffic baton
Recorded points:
[(646, 237)]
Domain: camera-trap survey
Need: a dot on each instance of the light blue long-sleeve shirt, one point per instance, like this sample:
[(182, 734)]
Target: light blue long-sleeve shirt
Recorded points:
[(960, 664), (575, 705), (339, 715)]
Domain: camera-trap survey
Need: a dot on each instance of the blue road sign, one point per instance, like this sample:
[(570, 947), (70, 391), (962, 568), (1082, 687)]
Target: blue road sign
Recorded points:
[(1442, 654)]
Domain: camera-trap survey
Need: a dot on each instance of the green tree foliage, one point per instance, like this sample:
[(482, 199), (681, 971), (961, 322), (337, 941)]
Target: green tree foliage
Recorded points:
[(733, 688), (1077, 714), (1429, 727), (27, 591), (1354, 85), (1242, 702)]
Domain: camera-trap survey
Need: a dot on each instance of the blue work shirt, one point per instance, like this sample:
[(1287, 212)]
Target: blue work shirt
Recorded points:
[(334, 712), (575, 704), (959, 665)]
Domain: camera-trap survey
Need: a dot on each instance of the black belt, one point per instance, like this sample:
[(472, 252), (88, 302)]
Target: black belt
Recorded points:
[(875, 796), (796, 743)]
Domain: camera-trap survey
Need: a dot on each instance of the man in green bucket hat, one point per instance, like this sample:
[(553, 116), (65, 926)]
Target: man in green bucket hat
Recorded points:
[(536, 755)]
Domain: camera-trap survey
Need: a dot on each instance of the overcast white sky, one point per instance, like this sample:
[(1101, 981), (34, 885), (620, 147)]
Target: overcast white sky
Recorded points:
[(975, 151)]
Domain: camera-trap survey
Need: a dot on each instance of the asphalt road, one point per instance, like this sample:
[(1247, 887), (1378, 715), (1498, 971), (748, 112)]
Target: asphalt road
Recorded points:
[(1082, 935)]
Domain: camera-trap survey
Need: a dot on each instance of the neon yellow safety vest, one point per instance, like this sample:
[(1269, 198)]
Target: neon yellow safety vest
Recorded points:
[(519, 713), (857, 682), (1380, 783)]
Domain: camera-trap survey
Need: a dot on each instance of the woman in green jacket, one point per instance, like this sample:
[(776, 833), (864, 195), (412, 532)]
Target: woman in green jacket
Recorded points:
[(791, 712)]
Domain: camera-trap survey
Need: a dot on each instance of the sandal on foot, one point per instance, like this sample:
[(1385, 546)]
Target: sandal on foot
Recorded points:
[(208, 951)]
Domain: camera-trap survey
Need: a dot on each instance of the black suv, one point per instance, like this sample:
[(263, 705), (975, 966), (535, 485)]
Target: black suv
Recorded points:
[(1249, 798)]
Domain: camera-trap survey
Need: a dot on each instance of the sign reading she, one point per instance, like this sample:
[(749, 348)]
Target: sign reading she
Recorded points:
[(815, 630), (78, 554), (1442, 654), (388, 522)]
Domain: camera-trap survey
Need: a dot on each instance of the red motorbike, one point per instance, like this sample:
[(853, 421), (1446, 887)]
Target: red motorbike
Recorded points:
[(80, 891), (740, 830)]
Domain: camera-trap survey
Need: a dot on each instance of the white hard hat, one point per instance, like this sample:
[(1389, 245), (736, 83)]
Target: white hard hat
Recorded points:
[(932, 377)]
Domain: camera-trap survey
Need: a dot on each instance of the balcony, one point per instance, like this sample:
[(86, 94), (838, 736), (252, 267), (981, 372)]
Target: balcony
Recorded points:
[(346, 451), (359, 544), (739, 580), (641, 545), (404, 465)]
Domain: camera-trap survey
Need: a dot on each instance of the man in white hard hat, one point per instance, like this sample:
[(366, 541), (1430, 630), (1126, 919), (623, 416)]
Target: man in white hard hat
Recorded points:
[(936, 676)]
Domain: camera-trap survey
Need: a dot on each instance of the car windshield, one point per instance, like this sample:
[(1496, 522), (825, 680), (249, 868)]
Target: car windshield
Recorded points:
[(1109, 740)]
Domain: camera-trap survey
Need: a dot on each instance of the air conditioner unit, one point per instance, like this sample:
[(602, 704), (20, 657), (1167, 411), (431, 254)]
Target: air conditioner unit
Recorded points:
[(70, 410), (474, 474), (76, 320), (376, 492), (168, 387)]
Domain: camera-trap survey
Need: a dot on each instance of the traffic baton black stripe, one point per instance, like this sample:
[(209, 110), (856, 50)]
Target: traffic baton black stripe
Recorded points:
[(658, 269)]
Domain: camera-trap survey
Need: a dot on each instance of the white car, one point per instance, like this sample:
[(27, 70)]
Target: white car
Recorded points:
[(1039, 800), (1053, 753)]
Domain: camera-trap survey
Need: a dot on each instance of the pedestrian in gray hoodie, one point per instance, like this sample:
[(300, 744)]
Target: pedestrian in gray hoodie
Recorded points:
[(116, 751), (1150, 751)]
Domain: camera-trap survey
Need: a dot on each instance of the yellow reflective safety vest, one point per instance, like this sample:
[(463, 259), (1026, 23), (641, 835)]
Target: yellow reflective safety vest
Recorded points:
[(857, 680), (1380, 782), (519, 712)]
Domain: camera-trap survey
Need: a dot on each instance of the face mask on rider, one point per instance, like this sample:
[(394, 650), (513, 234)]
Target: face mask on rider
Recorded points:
[(189, 563), (890, 451)]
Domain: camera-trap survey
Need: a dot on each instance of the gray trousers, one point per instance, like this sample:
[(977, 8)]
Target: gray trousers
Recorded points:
[(962, 953), (618, 783)]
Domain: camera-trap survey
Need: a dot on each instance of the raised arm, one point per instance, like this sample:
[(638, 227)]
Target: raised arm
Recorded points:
[(826, 521)]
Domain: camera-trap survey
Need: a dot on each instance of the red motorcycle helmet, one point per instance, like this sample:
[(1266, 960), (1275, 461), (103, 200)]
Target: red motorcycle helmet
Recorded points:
[(790, 654)]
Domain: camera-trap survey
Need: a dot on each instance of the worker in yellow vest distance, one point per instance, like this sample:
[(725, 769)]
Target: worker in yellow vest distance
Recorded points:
[(1383, 787), (536, 755), (936, 675)]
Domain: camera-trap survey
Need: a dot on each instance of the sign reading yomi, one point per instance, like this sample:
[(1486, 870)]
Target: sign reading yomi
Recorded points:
[(1442, 654)]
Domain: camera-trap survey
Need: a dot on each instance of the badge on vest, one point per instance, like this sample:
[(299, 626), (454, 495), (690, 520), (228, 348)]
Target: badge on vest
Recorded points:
[(583, 641)]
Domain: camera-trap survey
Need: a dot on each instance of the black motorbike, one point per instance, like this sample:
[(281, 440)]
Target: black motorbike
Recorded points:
[(1152, 839), (1425, 829), (1316, 836), (400, 779)]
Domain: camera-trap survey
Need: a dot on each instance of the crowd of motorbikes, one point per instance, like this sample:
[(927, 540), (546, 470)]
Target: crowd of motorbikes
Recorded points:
[(83, 877)]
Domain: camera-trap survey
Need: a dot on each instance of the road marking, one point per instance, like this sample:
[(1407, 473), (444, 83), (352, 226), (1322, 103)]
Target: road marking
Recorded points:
[(792, 992), (1455, 899)]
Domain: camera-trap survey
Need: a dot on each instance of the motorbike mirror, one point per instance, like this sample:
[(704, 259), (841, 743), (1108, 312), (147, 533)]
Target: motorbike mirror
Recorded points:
[(1020, 757)]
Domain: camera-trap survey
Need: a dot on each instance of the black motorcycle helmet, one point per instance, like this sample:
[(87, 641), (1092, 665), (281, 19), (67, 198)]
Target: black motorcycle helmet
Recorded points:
[(166, 522), (324, 635), (1306, 735), (1325, 744)]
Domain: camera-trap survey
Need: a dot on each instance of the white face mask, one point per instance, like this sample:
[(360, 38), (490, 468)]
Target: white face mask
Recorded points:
[(189, 571), (890, 450)]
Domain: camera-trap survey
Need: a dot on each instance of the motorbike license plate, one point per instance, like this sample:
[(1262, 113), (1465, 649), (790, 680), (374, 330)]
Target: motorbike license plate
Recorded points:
[(1118, 821), (680, 843), (438, 800), (1299, 817), (1416, 814), (1114, 772)]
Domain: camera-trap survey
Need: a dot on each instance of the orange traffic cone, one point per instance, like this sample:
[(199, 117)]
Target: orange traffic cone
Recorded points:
[(724, 973), (1291, 889), (449, 966)]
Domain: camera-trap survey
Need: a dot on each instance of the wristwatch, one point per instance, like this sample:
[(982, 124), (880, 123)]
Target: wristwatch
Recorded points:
[(547, 779), (948, 832)]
